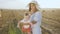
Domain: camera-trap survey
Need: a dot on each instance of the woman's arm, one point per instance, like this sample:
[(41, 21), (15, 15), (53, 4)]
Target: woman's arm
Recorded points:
[(34, 22), (37, 18)]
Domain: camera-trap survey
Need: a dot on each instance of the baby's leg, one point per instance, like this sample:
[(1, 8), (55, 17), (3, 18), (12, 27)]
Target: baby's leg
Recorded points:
[(28, 32), (24, 32)]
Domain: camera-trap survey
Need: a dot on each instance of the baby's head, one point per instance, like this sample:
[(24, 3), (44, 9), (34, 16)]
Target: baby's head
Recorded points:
[(26, 15)]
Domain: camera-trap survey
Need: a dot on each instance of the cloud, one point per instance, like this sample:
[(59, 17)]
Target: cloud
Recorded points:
[(22, 4)]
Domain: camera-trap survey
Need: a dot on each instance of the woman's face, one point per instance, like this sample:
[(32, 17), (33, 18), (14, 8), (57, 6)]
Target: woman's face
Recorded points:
[(33, 7)]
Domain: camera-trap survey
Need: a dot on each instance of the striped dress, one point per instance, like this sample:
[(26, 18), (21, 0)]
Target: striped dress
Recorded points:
[(37, 16)]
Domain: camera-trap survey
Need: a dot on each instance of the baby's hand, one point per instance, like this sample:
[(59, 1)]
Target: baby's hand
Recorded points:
[(31, 23), (18, 26)]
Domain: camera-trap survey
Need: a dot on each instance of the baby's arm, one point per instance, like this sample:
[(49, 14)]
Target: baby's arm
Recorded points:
[(19, 24), (30, 23)]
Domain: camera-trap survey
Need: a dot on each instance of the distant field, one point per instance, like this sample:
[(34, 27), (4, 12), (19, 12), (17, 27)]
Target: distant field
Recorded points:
[(9, 19)]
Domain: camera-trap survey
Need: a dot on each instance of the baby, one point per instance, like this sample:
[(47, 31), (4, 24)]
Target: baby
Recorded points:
[(26, 27)]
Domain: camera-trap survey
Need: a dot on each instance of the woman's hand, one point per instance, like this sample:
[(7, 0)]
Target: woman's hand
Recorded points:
[(34, 22)]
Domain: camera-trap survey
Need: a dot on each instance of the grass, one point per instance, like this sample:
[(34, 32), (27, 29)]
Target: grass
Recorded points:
[(13, 28), (14, 31)]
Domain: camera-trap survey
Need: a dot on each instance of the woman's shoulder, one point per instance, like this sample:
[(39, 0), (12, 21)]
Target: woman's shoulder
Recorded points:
[(38, 12)]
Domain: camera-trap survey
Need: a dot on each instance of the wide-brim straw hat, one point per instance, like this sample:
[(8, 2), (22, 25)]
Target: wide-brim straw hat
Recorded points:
[(35, 2)]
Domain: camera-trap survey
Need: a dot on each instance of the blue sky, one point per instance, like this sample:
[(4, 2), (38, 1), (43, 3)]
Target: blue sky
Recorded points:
[(22, 4)]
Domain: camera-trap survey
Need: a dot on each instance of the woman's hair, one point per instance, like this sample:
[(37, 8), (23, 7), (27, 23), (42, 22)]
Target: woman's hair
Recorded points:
[(30, 6)]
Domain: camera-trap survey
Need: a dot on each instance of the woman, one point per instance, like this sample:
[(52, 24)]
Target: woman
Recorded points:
[(35, 17)]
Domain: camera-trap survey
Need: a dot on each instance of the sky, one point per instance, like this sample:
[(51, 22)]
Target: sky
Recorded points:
[(22, 4)]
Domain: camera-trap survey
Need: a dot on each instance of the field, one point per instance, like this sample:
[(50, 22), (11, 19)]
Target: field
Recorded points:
[(9, 19)]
